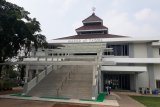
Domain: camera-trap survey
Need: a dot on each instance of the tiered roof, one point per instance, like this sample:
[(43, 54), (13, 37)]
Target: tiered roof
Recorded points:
[(91, 36), (92, 28), (91, 24)]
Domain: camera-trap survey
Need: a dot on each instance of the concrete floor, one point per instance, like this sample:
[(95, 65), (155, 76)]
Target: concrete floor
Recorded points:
[(122, 97), (27, 103)]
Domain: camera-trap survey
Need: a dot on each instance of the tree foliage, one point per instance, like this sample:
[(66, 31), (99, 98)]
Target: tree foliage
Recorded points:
[(17, 31)]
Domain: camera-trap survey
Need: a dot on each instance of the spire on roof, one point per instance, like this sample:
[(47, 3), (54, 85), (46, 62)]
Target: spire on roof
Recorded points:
[(93, 9)]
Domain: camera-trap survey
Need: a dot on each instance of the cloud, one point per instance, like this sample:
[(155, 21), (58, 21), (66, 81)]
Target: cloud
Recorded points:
[(60, 17), (119, 23), (117, 2), (146, 14), (122, 23)]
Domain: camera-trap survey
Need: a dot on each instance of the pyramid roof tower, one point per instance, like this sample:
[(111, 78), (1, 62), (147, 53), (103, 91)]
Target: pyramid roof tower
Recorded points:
[(92, 28)]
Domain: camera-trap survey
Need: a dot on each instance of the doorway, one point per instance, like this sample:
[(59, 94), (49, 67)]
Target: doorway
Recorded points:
[(119, 81)]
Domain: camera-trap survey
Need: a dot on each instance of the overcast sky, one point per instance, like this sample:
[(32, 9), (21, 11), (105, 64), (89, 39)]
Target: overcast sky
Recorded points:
[(60, 18)]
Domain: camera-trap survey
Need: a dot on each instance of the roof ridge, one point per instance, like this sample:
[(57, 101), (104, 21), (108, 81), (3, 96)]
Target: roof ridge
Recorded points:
[(92, 18)]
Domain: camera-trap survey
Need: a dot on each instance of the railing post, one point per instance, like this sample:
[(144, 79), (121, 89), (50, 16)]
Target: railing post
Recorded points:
[(45, 70), (37, 72)]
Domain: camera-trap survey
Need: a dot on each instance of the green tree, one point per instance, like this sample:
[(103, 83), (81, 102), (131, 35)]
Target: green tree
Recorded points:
[(17, 31)]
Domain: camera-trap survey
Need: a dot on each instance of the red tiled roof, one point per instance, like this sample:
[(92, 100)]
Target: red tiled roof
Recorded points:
[(93, 27), (91, 36), (92, 18)]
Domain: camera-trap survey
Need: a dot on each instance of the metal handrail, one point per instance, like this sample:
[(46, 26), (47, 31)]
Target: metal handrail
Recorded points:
[(32, 83), (63, 81)]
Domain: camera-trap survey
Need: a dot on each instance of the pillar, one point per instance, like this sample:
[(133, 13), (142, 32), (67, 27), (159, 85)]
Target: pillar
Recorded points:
[(150, 69), (94, 84), (26, 74), (136, 82), (30, 74), (25, 80), (37, 72), (100, 81)]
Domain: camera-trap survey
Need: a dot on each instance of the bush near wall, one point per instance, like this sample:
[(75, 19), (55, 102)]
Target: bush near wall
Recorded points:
[(1, 85), (7, 85)]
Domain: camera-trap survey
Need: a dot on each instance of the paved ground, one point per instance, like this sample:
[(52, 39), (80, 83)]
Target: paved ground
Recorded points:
[(123, 100), (126, 101), (27, 103), (24, 103), (122, 97), (14, 90)]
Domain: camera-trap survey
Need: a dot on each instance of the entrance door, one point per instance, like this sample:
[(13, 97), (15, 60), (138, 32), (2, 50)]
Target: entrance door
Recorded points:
[(119, 81)]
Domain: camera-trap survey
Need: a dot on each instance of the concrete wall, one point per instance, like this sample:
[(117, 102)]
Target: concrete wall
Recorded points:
[(132, 82), (143, 79), (157, 71), (140, 50), (156, 52)]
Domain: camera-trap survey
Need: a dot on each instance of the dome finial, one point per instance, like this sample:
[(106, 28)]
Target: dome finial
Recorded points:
[(93, 9)]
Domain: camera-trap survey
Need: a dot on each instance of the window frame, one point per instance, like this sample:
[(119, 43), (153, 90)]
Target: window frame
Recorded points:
[(119, 49), (158, 84)]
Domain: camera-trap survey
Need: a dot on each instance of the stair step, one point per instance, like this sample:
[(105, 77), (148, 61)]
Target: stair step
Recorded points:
[(79, 85)]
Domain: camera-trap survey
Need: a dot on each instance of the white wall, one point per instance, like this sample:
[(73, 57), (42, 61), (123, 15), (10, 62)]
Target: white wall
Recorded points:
[(140, 50), (132, 82), (156, 52), (143, 80), (157, 71)]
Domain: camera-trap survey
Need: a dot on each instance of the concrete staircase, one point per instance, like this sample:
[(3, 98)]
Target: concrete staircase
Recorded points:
[(78, 85), (48, 86)]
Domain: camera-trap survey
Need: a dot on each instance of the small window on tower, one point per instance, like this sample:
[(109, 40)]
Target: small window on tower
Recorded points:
[(159, 51)]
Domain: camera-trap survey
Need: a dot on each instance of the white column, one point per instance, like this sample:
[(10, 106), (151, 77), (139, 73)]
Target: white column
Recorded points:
[(94, 84), (136, 80), (26, 74), (30, 74)]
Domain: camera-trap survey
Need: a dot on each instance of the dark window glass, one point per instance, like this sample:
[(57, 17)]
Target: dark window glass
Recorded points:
[(158, 83), (119, 50)]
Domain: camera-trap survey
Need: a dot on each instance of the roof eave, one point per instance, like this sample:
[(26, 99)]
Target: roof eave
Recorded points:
[(91, 30), (91, 21)]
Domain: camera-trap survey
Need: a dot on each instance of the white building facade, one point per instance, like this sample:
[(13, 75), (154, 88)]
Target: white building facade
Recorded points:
[(129, 63)]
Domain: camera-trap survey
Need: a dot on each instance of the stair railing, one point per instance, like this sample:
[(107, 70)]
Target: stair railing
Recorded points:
[(38, 78), (64, 80)]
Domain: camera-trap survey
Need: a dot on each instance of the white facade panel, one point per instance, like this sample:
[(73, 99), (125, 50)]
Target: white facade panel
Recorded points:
[(140, 50), (156, 52), (157, 71), (124, 68), (134, 60), (143, 80)]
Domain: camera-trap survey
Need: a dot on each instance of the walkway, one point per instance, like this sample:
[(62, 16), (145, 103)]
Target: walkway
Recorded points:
[(75, 101), (111, 101), (125, 101)]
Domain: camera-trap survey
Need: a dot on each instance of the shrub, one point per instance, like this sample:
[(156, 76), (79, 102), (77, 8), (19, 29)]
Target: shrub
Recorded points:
[(7, 85), (1, 85)]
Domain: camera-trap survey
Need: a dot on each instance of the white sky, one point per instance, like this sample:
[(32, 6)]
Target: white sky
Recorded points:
[(60, 18)]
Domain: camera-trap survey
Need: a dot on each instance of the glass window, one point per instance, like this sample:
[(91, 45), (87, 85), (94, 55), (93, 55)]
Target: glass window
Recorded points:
[(119, 50), (158, 83)]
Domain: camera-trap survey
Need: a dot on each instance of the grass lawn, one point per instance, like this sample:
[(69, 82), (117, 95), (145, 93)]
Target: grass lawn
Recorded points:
[(148, 101)]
